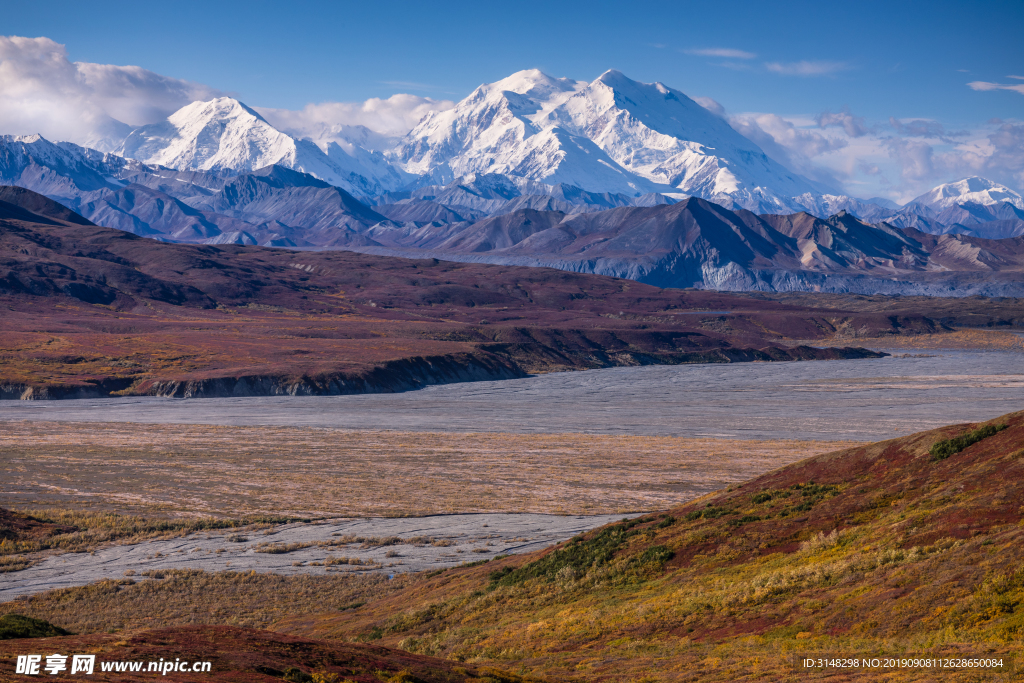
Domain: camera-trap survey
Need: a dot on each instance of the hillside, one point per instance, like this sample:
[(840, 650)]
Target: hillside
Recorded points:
[(696, 243), (247, 655), (899, 547), (93, 311)]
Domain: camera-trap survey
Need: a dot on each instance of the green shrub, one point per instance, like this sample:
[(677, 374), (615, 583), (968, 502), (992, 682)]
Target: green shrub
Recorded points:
[(766, 496), (811, 493), (296, 675), (745, 519), (655, 556), (710, 512), (17, 626), (578, 554), (941, 450)]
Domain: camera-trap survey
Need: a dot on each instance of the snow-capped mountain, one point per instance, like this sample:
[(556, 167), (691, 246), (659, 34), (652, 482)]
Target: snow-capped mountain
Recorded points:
[(61, 170), (224, 134), (973, 206), (529, 141), (825, 205), (612, 135), (272, 206), (973, 190)]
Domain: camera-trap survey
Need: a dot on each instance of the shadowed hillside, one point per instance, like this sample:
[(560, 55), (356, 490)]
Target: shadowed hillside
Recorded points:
[(97, 312), (247, 655)]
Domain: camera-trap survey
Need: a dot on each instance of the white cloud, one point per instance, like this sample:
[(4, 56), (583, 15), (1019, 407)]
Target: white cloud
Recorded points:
[(96, 105), (924, 128), (898, 161), (711, 105), (983, 85), (44, 92), (853, 126), (995, 151), (1000, 156), (794, 147), (728, 53), (785, 140), (916, 159), (395, 115), (807, 68)]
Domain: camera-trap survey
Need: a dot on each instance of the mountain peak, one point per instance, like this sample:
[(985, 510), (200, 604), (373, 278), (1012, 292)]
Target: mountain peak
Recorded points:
[(224, 133), (972, 189), (612, 76), (219, 108), (611, 135), (616, 80), (535, 84)]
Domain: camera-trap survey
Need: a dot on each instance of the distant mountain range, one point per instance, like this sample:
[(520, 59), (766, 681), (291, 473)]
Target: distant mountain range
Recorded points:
[(691, 243), (696, 243), (527, 141), (612, 176)]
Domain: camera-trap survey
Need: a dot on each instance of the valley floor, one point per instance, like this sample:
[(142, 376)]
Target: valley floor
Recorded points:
[(928, 382), (385, 483)]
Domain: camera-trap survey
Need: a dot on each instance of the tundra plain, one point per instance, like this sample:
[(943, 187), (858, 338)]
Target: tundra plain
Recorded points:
[(210, 470)]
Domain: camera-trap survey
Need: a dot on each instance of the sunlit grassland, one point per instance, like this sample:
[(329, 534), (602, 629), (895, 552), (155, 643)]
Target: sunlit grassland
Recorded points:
[(904, 555), (188, 597), (167, 471), (79, 531)]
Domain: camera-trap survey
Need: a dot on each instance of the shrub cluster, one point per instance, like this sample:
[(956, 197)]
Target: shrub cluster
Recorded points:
[(578, 554), (710, 512), (18, 626), (812, 494), (941, 450)]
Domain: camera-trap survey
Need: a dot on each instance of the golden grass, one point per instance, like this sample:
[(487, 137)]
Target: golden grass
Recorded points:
[(182, 597), (966, 340), (84, 531), (233, 472), (718, 619), (890, 553)]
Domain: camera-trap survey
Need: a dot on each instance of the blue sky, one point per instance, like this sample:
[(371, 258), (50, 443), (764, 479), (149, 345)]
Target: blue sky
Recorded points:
[(795, 60), (891, 58)]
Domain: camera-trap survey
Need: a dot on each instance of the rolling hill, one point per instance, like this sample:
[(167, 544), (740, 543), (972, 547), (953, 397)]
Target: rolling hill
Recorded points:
[(92, 311), (903, 547)]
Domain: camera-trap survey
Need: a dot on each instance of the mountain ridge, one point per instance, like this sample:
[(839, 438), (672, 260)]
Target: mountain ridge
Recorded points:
[(644, 137), (141, 317), (695, 243), (612, 135)]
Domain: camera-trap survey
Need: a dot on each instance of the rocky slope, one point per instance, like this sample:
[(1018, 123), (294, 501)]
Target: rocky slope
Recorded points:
[(695, 243), (132, 315)]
